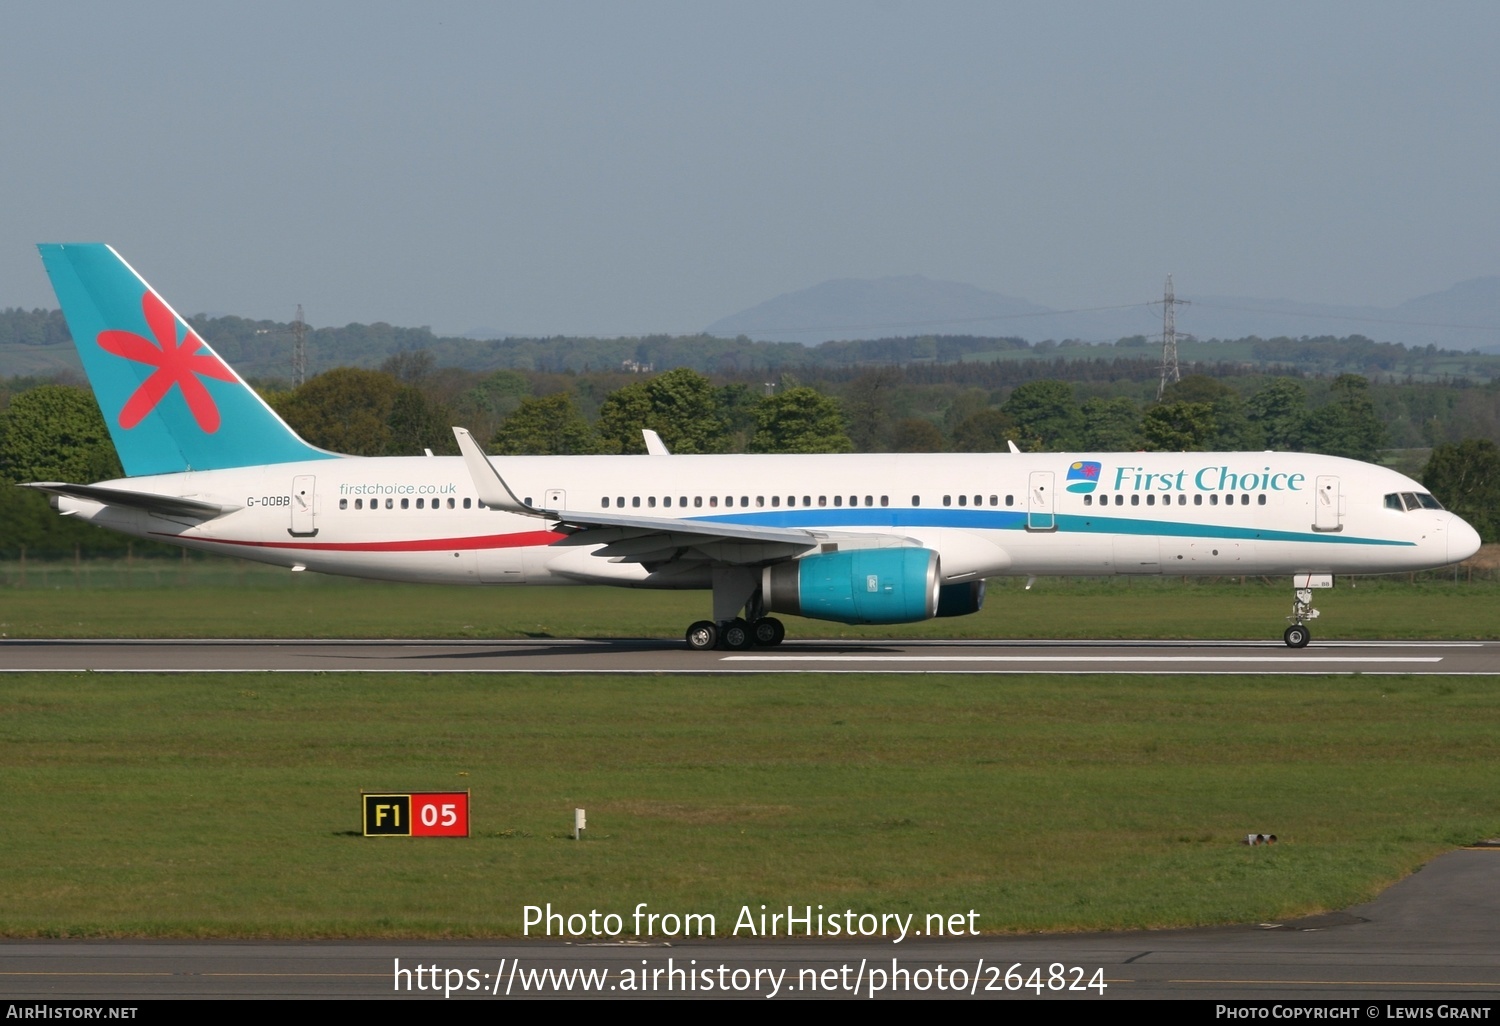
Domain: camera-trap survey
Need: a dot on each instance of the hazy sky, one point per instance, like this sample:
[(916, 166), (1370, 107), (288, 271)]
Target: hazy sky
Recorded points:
[(631, 167)]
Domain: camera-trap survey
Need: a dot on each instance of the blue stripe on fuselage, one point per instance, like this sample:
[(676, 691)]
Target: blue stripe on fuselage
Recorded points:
[(1015, 520)]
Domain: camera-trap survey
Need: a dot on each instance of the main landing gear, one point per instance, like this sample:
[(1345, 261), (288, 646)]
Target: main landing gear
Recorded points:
[(736, 589), (1297, 635), (738, 633)]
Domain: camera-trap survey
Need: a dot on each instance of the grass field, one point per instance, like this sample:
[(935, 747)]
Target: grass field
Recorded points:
[(211, 806), (224, 598)]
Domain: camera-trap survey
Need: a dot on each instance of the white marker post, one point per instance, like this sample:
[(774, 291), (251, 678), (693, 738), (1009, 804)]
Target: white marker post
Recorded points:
[(579, 822)]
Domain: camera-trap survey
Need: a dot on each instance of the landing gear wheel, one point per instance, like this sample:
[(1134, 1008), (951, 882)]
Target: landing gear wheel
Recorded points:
[(703, 635), (1297, 636), (769, 631), (736, 635)]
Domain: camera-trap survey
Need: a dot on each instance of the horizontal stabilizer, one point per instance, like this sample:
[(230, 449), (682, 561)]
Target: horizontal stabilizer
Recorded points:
[(151, 502)]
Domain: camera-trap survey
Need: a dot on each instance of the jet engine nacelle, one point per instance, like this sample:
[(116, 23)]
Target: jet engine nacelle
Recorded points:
[(858, 586)]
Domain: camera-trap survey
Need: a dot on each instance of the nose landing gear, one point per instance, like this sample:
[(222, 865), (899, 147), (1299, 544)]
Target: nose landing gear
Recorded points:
[(1297, 635)]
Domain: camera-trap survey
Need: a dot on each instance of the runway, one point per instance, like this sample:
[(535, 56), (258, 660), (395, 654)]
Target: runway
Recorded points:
[(1435, 935), (672, 657)]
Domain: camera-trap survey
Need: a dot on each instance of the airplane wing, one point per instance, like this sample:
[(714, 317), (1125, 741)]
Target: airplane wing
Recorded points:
[(635, 539), (151, 502)]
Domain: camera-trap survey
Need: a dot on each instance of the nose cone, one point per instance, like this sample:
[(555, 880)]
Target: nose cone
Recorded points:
[(1463, 540)]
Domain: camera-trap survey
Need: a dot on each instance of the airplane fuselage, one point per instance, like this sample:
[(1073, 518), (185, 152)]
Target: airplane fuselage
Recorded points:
[(1193, 514)]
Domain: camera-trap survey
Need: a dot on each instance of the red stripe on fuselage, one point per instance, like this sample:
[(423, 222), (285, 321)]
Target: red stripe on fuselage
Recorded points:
[(483, 541)]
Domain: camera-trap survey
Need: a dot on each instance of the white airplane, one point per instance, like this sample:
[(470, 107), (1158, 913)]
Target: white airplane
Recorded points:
[(849, 538)]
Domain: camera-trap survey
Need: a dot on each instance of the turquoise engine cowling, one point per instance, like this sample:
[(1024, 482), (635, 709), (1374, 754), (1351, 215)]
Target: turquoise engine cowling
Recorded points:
[(858, 586)]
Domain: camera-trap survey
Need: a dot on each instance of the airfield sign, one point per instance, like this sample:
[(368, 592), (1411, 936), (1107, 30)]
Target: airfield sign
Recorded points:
[(416, 814)]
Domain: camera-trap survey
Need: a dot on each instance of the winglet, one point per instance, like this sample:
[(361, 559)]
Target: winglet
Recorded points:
[(488, 484), (654, 445)]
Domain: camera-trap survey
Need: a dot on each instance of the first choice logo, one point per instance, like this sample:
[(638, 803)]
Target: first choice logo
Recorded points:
[(1207, 479)]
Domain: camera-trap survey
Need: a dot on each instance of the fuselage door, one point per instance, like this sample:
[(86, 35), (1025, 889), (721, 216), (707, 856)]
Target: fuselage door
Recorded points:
[(1039, 516), (303, 499), (1329, 505)]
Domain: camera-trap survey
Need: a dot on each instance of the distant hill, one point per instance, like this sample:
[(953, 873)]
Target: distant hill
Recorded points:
[(1464, 317), (860, 308)]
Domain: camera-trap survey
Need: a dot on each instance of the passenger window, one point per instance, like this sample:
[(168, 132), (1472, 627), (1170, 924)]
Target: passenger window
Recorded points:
[(697, 502), (682, 501), (838, 500), (775, 502), (359, 503), (1088, 500), (1135, 500), (1244, 500), (390, 504), (606, 502), (947, 500), (650, 502), (885, 500), (807, 500), (1262, 498), (405, 503), (744, 501), (1010, 500), (979, 500), (419, 504), (822, 500), (963, 500), (869, 500), (667, 502), (1198, 499), (1213, 500), (713, 502), (1182, 500), (994, 500), (450, 503), (760, 501), (1151, 500), (916, 500), (635, 502), (466, 502), (1119, 500)]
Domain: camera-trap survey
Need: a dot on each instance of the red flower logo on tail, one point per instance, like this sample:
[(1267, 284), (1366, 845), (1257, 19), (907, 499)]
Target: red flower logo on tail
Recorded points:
[(179, 365)]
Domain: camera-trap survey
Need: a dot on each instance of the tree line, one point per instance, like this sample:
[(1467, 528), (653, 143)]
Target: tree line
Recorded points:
[(262, 349)]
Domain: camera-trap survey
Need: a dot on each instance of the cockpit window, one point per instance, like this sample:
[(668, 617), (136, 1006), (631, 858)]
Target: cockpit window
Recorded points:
[(1411, 500)]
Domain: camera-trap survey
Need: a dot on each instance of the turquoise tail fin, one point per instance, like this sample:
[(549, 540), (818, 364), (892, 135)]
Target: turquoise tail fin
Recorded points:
[(170, 402)]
